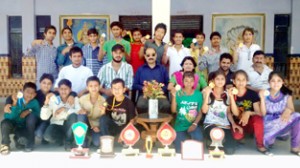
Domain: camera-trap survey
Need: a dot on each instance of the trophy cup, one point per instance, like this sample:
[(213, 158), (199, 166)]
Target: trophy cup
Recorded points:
[(217, 136), (149, 146), (166, 135), (107, 147), (130, 135), (79, 131)]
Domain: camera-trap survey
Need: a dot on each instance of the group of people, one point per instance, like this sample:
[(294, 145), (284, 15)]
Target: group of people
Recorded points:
[(101, 84)]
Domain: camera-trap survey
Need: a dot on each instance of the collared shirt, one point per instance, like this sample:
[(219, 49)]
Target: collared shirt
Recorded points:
[(245, 56), (159, 49), (175, 57), (146, 73), (108, 45), (45, 55), (257, 80), (90, 55), (211, 60), (64, 60), (107, 74)]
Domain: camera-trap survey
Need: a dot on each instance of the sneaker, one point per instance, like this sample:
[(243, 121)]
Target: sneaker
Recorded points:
[(22, 140), (68, 146), (17, 144), (28, 149)]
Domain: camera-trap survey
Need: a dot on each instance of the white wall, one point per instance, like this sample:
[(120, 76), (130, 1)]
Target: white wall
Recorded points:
[(143, 7), (295, 41)]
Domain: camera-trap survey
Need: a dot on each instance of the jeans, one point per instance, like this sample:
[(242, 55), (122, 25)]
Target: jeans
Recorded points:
[(95, 135), (40, 130), (8, 127), (31, 124), (184, 135), (109, 127)]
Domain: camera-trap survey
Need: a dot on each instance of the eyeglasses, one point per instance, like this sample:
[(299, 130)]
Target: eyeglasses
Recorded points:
[(148, 55)]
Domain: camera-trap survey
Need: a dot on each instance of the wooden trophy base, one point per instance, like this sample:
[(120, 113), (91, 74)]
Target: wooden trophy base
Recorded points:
[(149, 155), (107, 155), (166, 152), (78, 153), (130, 152), (216, 154)]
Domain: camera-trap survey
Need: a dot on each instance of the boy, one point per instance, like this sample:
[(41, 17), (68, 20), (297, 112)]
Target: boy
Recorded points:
[(105, 47), (19, 119), (45, 54), (176, 53), (197, 50), (136, 59), (62, 57), (91, 50), (119, 111), (92, 108)]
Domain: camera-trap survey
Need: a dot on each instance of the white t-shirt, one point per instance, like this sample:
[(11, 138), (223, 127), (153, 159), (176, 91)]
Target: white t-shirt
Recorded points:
[(77, 76), (259, 81), (245, 56), (175, 58)]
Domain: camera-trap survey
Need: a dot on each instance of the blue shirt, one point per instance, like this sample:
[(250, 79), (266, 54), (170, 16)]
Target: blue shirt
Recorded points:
[(90, 55), (145, 73), (64, 60)]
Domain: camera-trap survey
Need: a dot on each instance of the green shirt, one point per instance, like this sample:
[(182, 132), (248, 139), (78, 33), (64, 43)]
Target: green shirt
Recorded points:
[(201, 82), (188, 107), (109, 44)]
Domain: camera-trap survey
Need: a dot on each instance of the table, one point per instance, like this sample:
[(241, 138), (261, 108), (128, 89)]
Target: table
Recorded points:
[(152, 125)]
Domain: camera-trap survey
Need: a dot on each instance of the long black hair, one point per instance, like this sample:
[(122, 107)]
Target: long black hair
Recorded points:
[(284, 90), (224, 96)]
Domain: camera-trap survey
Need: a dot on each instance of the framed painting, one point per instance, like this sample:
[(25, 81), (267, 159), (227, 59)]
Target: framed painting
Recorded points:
[(80, 24), (231, 27)]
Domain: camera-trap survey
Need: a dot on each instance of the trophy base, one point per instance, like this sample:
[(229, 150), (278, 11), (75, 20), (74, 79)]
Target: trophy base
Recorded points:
[(130, 152), (82, 153), (107, 155), (149, 156), (216, 154), (166, 152)]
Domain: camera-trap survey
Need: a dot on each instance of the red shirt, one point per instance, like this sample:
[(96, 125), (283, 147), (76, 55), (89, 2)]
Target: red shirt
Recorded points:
[(136, 62)]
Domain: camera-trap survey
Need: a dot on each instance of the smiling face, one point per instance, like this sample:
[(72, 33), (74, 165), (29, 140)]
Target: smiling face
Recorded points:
[(93, 87), (215, 41), (50, 35), (188, 66), (225, 64), (46, 85), (76, 59), (276, 83), (150, 56), (118, 89), (188, 82), (93, 38), (219, 81), (116, 31), (240, 81), (29, 94), (259, 60), (248, 37), (64, 91), (137, 36), (67, 35), (159, 34), (178, 38)]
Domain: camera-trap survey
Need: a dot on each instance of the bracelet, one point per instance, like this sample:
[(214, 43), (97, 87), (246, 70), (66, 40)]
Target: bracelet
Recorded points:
[(195, 124)]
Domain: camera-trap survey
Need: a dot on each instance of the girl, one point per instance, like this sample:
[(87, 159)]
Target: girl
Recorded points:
[(280, 116), (217, 109), (187, 104), (250, 116)]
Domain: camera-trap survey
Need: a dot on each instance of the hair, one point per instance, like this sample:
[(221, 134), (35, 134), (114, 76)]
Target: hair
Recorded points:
[(258, 52), (47, 28), (145, 49), (65, 82), (284, 90), (75, 49), (238, 72), (118, 47), (188, 75), (188, 58), (177, 32), (47, 76), (224, 96), (215, 34), (249, 29), (161, 26), (200, 34), (29, 85), (92, 78), (66, 28), (92, 31), (136, 30), (118, 24), (118, 80), (226, 56)]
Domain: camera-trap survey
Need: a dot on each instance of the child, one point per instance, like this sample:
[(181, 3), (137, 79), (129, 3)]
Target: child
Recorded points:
[(187, 104), (105, 47), (197, 51), (45, 54), (136, 60), (63, 115), (216, 106), (92, 108), (250, 116), (16, 119), (119, 111), (91, 50), (280, 117)]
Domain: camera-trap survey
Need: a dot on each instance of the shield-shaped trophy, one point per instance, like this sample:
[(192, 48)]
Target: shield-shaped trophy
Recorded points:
[(166, 135), (130, 135), (217, 136), (107, 147), (79, 130)]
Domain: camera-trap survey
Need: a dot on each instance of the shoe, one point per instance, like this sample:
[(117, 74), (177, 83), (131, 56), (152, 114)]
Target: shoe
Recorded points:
[(68, 146), (295, 152), (17, 144), (283, 138), (28, 149), (4, 149), (22, 141), (265, 152), (44, 142)]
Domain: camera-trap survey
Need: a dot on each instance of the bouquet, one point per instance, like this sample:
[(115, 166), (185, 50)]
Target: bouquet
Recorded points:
[(153, 90)]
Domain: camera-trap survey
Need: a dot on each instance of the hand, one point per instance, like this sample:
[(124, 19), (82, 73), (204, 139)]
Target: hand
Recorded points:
[(173, 91), (58, 111), (245, 118), (236, 127), (206, 91), (261, 94), (101, 41), (143, 40), (286, 115), (37, 42), (14, 99), (66, 50), (7, 108), (193, 47), (24, 113), (71, 100), (49, 95), (192, 128), (96, 129), (82, 111)]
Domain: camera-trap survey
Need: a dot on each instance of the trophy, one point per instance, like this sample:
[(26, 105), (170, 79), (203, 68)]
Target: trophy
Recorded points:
[(107, 147), (192, 150), (148, 146), (130, 135), (166, 135), (79, 130), (217, 136)]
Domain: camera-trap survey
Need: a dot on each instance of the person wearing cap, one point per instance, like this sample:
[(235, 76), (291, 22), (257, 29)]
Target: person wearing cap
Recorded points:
[(116, 69), (259, 72)]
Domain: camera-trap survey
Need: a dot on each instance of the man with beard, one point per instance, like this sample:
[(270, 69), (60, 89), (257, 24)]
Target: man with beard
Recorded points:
[(116, 69), (259, 72), (225, 64)]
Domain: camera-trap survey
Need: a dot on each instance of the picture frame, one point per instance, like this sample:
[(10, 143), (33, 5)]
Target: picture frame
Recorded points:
[(231, 27), (80, 24), (192, 150)]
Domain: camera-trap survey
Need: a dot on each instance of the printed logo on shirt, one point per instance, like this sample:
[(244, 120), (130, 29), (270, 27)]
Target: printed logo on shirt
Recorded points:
[(119, 116)]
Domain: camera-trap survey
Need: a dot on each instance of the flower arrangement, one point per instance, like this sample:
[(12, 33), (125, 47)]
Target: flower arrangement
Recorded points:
[(153, 90)]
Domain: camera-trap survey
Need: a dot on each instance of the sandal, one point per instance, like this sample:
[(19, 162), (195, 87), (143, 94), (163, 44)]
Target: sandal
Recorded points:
[(265, 152), (295, 152), (4, 150)]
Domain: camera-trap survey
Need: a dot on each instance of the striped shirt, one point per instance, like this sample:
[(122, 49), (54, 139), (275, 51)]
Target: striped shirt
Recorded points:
[(91, 57), (45, 55), (107, 74)]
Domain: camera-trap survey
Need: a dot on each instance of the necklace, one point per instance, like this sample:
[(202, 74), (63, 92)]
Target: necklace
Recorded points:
[(114, 103)]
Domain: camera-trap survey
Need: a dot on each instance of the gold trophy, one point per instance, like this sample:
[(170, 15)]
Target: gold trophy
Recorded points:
[(166, 135), (149, 146), (217, 136)]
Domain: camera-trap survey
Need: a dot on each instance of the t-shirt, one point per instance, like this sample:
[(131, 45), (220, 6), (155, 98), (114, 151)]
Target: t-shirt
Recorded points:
[(108, 45), (245, 102), (175, 58), (257, 80), (217, 114), (136, 62), (122, 112), (187, 109), (245, 56)]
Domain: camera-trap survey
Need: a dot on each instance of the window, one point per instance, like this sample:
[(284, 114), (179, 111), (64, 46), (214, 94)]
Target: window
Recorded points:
[(41, 23)]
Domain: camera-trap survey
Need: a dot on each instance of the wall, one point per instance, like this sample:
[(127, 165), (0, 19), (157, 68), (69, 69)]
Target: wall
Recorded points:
[(295, 41), (143, 7)]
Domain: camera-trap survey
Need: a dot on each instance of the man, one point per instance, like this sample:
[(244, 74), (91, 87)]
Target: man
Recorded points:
[(63, 51), (151, 70), (259, 72), (116, 69), (76, 73), (211, 59), (176, 53), (225, 63)]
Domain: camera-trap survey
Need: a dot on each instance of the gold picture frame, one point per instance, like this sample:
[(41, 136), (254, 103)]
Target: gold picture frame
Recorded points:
[(231, 26), (80, 24)]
